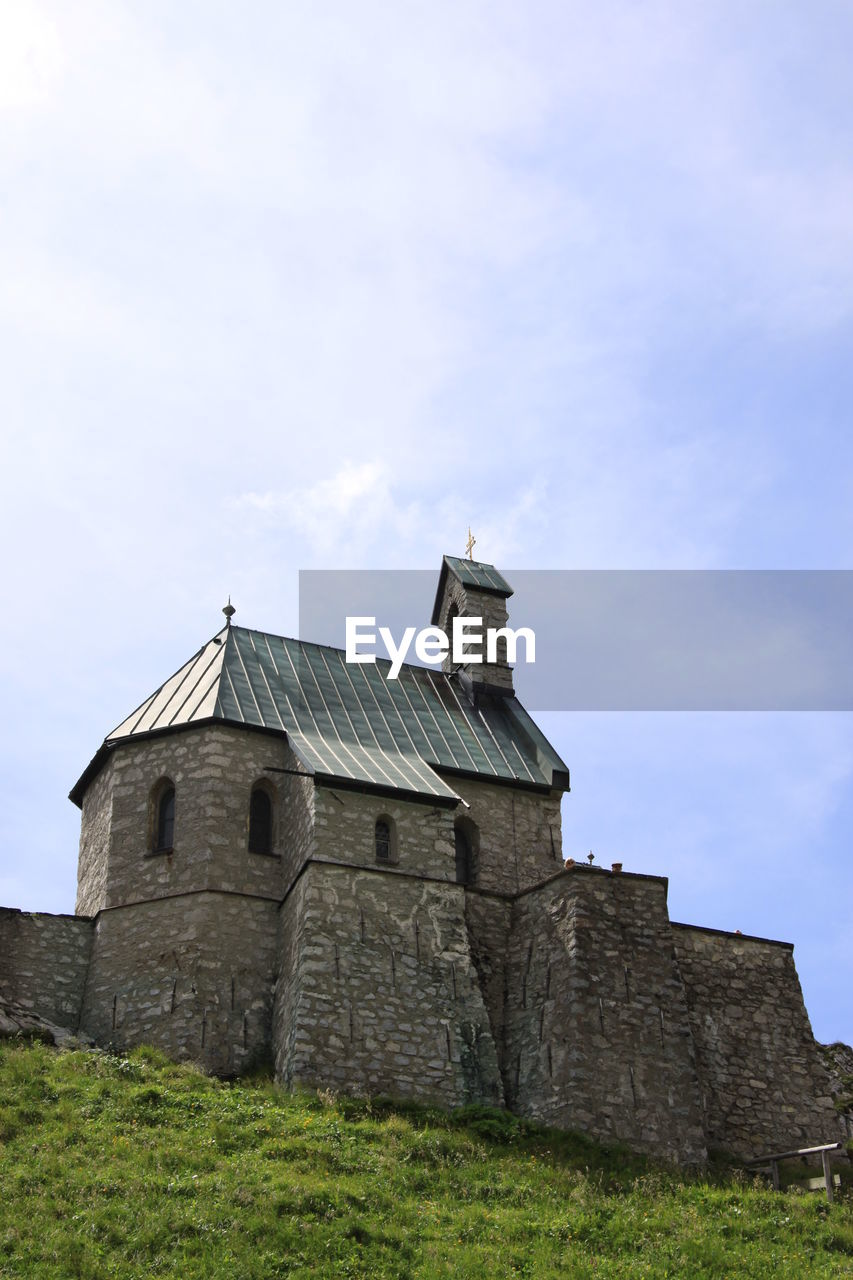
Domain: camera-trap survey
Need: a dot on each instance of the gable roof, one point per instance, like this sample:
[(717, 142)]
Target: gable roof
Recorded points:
[(347, 722)]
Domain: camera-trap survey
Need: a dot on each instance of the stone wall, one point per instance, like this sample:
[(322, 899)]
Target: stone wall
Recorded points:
[(297, 821), (95, 833), (488, 918), (597, 1034), (345, 826), (518, 841), (292, 942), (43, 962), (764, 1084), (520, 833), (378, 993), (838, 1060), (213, 770), (192, 974)]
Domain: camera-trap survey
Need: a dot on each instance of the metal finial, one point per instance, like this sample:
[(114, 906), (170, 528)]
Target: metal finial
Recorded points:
[(229, 612), (472, 542), (590, 857)]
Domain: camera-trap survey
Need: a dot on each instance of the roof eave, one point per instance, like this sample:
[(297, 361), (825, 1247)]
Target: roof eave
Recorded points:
[(93, 768), (332, 782), (109, 745)]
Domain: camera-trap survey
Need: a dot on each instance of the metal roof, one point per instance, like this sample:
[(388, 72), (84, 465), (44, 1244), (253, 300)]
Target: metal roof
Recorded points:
[(474, 574), (347, 721)]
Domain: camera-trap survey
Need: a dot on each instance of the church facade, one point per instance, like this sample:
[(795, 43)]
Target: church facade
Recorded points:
[(287, 856)]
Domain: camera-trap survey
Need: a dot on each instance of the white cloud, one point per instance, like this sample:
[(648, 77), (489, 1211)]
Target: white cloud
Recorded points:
[(340, 516), (31, 56)]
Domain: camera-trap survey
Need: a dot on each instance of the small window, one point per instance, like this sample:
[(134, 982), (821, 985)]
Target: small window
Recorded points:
[(463, 856), (164, 826), (260, 822), (466, 838), (452, 612), (385, 838)]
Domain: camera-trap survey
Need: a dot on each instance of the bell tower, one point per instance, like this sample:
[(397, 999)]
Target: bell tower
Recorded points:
[(473, 589)]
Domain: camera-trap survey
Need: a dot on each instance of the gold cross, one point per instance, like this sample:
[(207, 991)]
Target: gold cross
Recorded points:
[(472, 542)]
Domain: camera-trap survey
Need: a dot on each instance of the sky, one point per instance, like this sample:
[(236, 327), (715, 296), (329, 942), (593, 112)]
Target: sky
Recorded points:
[(298, 286)]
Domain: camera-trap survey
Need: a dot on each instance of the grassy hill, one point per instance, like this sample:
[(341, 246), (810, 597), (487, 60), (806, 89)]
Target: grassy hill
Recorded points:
[(136, 1167)]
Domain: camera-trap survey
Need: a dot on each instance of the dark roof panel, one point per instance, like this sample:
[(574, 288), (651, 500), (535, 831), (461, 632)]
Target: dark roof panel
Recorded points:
[(475, 573)]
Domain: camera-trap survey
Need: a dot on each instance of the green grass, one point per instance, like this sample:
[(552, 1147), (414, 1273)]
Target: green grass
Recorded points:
[(135, 1167)]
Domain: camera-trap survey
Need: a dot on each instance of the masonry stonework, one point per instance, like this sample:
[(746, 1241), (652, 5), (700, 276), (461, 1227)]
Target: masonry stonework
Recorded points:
[(382, 995), (598, 1034), (391, 966), (43, 962), (762, 1077)]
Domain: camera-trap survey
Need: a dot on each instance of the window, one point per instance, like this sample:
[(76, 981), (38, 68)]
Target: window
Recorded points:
[(467, 846), (260, 821), (385, 838), (452, 612), (463, 856), (164, 820)]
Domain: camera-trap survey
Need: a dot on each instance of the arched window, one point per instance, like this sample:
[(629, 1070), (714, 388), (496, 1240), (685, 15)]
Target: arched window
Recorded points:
[(164, 819), (466, 839), (260, 821), (463, 856), (385, 838)]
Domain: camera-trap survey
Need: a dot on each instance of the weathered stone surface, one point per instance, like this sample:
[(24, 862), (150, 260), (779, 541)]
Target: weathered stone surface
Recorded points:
[(43, 963), (379, 994), (191, 974), (345, 831), (520, 833), (764, 1084), (838, 1060), (18, 1022), (213, 770), (596, 1024)]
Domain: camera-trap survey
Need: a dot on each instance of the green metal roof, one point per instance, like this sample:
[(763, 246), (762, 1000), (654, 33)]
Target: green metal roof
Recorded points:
[(346, 721), (473, 574)]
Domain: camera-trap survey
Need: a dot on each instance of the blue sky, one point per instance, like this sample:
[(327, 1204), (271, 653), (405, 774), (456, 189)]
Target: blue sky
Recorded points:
[(299, 286)]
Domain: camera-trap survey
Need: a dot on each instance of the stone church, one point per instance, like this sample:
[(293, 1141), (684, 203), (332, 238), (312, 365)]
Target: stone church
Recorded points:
[(284, 856)]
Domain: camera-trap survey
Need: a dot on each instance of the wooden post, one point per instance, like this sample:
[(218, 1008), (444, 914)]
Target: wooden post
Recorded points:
[(822, 1151)]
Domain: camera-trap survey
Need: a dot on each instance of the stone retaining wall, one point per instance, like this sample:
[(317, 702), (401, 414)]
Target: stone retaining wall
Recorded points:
[(764, 1084), (191, 974), (43, 962), (378, 994), (597, 1031)]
